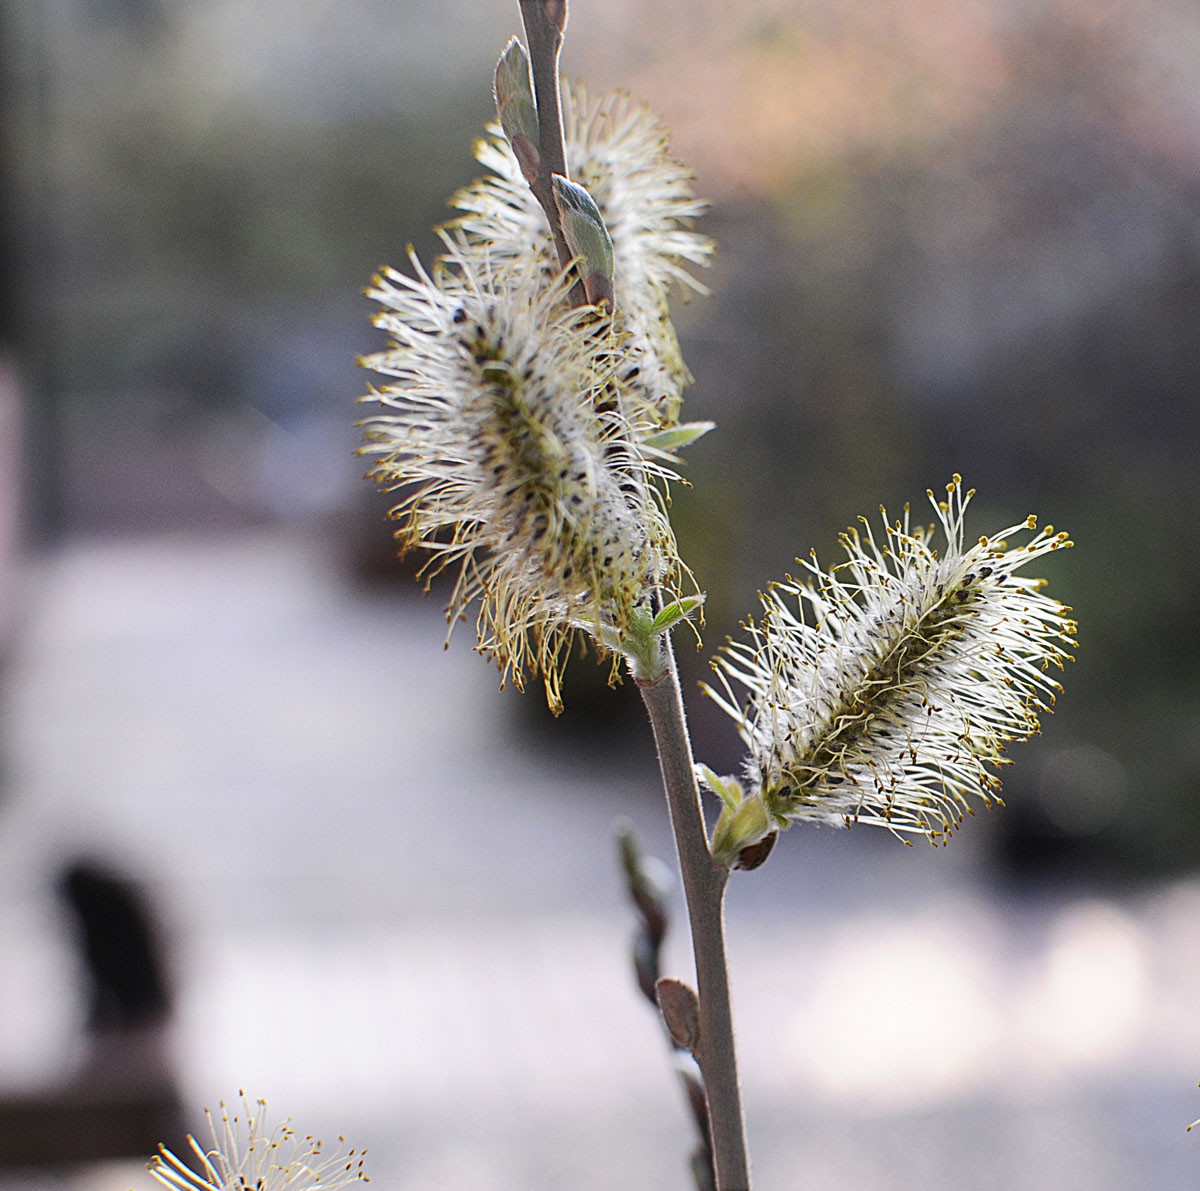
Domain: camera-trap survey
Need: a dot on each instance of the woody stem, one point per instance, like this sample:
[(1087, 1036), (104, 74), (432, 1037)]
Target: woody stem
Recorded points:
[(704, 881)]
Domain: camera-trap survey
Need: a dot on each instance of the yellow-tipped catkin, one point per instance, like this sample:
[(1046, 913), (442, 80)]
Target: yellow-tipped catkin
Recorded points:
[(618, 150), (885, 690), (498, 428)]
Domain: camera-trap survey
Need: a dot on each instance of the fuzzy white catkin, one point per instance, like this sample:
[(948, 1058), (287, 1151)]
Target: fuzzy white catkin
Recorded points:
[(522, 436), (885, 690), (512, 462)]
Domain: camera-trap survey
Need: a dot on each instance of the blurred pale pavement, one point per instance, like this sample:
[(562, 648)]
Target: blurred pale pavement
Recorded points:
[(397, 917)]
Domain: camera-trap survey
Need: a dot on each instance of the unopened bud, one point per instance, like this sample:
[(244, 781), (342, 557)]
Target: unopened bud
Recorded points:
[(688, 1071), (587, 238), (645, 965), (648, 881), (701, 1167), (516, 108), (681, 1012)]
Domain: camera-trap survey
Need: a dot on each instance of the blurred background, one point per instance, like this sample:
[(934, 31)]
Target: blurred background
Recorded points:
[(355, 879)]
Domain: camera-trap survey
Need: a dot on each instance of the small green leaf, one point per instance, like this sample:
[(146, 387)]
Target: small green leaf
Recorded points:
[(674, 612), (728, 789), (678, 436), (609, 636)]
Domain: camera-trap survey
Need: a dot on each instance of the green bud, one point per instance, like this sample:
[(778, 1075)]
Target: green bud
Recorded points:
[(640, 644), (740, 827), (587, 238), (516, 107)]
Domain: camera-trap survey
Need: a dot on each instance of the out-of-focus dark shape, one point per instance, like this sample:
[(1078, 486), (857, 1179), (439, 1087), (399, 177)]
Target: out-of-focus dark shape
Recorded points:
[(77, 1125), (122, 1102), (648, 881), (1078, 793), (125, 967)]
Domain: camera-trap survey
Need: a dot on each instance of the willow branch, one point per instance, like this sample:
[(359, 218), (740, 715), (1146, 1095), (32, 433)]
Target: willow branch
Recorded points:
[(545, 22), (704, 882)]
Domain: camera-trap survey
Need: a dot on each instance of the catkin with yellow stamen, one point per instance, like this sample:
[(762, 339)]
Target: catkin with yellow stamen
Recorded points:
[(885, 690), (619, 151), (497, 429)]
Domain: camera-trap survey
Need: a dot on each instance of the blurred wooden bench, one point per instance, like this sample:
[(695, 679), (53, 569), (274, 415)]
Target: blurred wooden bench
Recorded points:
[(69, 1128)]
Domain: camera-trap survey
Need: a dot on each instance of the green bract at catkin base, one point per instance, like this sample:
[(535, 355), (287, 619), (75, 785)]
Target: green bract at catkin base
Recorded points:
[(885, 690)]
